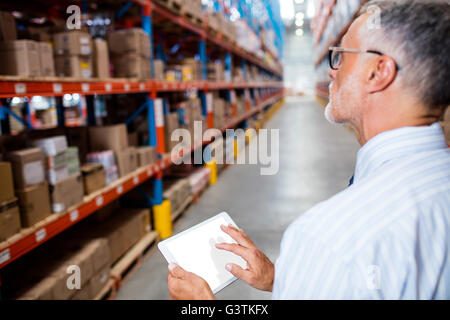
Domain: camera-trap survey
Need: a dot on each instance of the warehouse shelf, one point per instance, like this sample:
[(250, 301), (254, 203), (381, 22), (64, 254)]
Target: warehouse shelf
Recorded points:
[(31, 238), (18, 87), (324, 54), (218, 39)]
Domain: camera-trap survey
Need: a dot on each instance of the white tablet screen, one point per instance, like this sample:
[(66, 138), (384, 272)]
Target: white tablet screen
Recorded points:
[(195, 251)]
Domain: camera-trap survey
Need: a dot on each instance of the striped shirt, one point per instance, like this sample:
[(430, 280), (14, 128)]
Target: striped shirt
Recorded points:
[(387, 236)]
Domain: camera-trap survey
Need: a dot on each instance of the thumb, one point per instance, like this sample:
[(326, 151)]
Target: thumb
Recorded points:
[(238, 272), (176, 271)]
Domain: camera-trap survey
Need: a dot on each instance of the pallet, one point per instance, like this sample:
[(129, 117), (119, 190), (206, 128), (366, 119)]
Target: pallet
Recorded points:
[(123, 269), (108, 292), (177, 214)]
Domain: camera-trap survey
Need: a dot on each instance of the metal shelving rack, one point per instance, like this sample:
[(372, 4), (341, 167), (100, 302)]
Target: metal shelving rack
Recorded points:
[(263, 94)]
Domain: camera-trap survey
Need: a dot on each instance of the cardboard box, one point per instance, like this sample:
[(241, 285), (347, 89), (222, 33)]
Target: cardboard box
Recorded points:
[(52, 146), (133, 40), (99, 281), (170, 124), (72, 43), (83, 294), (34, 203), (94, 177), (8, 30), (67, 193), (57, 167), (73, 161), (101, 59), (131, 65), (126, 161), (159, 70), (20, 58), (99, 253), (9, 219), (108, 138), (40, 290), (6, 182), (28, 167), (74, 66), (146, 156), (46, 59)]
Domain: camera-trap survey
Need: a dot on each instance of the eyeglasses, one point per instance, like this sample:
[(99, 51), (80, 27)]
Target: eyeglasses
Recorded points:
[(335, 56)]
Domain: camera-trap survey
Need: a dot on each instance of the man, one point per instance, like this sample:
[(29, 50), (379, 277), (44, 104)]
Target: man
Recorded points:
[(387, 236)]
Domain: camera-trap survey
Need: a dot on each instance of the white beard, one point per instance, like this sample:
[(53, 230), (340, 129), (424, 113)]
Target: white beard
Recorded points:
[(328, 112)]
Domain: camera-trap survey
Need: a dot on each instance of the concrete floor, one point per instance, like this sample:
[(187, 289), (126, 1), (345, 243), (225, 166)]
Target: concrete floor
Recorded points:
[(316, 161)]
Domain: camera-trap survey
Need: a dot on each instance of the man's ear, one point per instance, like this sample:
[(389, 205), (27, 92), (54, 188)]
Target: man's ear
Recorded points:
[(381, 74)]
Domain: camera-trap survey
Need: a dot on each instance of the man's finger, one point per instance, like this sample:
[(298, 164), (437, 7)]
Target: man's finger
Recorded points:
[(238, 235), (176, 271), (236, 249), (238, 272)]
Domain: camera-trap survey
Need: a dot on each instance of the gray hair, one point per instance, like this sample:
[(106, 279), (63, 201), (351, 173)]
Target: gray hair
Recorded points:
[(416, 33)]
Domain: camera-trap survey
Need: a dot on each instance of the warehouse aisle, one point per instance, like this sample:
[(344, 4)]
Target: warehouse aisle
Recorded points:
[(316, 161)]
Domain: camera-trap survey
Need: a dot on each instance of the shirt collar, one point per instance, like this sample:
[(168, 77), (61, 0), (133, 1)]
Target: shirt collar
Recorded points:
[(397, 143)]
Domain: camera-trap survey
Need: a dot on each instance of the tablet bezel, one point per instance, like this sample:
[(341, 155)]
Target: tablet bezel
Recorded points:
[(171, 259)]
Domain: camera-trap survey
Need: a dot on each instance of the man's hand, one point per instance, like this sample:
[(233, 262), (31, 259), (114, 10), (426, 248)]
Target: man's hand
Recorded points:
[(260, 270), (185, 285)]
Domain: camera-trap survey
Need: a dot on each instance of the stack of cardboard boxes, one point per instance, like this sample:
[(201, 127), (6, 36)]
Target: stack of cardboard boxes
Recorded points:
[(9, 209), (66, 189), (130, 52), (73, 54), (219, 106), (176, 191), (216, 71), (26, 58), (31, 186), (115, 138), (58, 264), (107, 161)]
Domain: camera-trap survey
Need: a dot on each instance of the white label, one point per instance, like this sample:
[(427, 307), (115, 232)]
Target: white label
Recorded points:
[(156, 168), (209, 102), (4, 256), (159, 113), (108, 86), (84, 40), (119, 189), (127, 87), (233, 96), (99, 201), (40, 235), (136, 180), (85, 87), (103, 278), (33, 173), (57, 88), (20, 88), (86, 50), (86, 73), (141, 86), (74, 215), (149, 172)]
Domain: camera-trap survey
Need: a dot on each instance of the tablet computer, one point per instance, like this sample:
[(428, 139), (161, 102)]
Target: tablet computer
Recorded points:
[(194, 250)]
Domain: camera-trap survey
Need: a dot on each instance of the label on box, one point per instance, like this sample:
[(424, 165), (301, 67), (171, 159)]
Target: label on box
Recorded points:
[(58, 207), (4, 256), (233, 96), (74, 215), (103, 278), (20, 88), (40, 235), (159, 113), (86, 73), (33, 173), (84, 40), (85, 50)]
